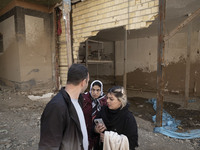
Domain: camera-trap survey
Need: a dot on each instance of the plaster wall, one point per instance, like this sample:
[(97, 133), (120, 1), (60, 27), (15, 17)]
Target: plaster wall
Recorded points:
[(9, 59), (139, 55), (142, 62), (27, 61), (35, 53)]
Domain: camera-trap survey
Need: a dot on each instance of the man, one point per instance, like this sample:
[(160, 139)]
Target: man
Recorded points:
[(62, 122)]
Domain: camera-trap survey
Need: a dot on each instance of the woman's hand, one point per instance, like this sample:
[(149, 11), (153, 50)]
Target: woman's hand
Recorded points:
[(99, 128), (101, 137)]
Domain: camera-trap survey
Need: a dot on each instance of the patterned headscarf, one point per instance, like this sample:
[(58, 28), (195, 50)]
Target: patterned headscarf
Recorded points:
[(101, 86), (96, 105)]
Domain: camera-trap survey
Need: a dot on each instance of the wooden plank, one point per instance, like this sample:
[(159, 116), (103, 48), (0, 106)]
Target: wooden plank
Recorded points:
[(160, 62), (66, 17), (86, 54), (27, 5), (125, 59), (97, 61), (187, 73), (184, 23)]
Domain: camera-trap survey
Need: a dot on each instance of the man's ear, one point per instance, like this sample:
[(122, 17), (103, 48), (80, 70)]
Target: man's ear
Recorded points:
[(85, 80), (82, 82)]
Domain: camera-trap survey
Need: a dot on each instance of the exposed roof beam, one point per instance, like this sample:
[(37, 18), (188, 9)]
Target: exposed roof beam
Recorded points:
[(184, 23)]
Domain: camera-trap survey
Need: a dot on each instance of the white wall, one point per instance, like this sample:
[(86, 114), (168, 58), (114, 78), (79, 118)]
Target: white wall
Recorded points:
[(141, 54)]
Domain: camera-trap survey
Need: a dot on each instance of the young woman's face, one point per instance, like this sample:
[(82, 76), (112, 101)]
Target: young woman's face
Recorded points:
[(95, 91), (112, 102)]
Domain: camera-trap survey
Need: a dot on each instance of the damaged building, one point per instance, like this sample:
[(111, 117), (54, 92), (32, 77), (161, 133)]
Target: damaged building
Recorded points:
[(150, 47), (116, 39)]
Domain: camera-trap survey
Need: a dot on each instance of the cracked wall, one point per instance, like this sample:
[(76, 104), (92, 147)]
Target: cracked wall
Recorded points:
[(91, 16), (142, 63)]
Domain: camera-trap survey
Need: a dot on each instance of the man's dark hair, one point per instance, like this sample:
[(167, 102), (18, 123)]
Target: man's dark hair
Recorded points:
[(76, 74)]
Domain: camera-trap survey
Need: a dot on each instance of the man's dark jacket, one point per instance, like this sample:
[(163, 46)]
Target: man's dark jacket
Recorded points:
[(60, 127)]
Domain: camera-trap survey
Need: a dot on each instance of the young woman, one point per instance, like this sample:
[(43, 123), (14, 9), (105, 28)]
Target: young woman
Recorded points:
[(117, 118), (93, 101)]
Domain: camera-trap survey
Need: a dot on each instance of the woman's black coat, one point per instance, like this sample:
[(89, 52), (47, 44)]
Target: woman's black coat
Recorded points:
[(121, 121)]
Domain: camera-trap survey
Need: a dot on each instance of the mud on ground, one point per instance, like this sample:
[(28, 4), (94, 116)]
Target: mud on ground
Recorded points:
[(20, 123), (190, 119)]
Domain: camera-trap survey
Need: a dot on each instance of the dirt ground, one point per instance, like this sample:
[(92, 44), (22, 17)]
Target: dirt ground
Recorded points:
[(20, 121), (190, 119)]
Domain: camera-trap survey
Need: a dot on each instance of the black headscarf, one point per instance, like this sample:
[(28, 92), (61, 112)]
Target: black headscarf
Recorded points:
[(114, 119)]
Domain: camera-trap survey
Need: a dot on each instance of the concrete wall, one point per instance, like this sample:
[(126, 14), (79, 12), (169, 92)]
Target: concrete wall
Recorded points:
[(27, 62), (9, 59), (35, 53), (142, 63), (91, 16)]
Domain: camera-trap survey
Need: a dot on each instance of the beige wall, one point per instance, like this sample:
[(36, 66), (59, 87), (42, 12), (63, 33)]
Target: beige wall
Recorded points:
[(35, 52), (139, 55), (9, 59), (27, 62), (91, 16), (142, 62), (144, 56)]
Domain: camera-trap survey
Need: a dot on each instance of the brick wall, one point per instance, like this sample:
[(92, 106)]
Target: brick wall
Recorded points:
[(91, 16)]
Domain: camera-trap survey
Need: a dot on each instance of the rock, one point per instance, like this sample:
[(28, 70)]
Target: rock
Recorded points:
[(3, 132)]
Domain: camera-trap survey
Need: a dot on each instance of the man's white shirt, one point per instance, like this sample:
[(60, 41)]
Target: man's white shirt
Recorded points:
[(79, 112)]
